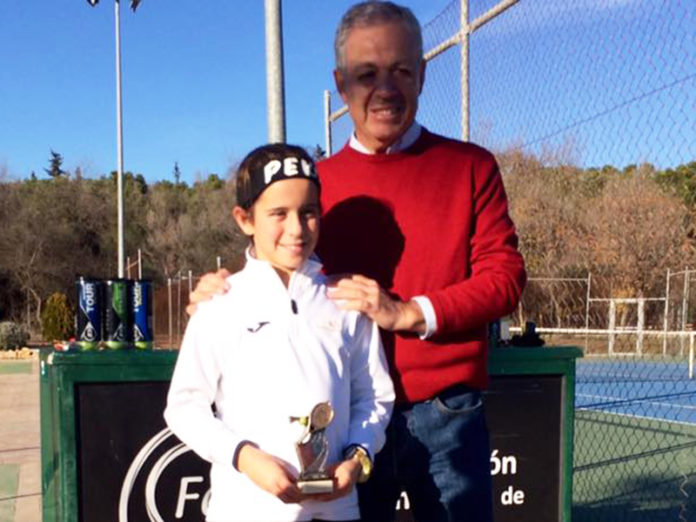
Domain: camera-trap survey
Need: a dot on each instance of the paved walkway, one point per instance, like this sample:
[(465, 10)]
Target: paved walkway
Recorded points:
[(20, 456)]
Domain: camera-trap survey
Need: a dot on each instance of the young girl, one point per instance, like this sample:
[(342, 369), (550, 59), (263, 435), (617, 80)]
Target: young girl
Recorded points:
[(271, 350)]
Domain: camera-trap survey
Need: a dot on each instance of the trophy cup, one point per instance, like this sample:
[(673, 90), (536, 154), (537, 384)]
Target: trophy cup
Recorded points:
[(313, 450)]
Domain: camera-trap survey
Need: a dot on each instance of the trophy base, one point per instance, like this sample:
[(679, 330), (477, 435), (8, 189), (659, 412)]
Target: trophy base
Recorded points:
[(313, 487)]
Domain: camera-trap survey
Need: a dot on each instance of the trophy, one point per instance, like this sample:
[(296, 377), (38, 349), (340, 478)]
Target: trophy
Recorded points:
[(313, 450)]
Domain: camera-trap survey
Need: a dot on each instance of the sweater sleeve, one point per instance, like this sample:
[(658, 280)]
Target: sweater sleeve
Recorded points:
[(371, 389), (496, 272), (193, 390)]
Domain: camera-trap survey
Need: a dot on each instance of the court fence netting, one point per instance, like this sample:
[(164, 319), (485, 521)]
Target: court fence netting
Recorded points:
[(635, 396)]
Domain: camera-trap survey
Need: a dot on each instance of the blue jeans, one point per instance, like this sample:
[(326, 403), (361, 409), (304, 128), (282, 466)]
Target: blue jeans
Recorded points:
[(437, 451)]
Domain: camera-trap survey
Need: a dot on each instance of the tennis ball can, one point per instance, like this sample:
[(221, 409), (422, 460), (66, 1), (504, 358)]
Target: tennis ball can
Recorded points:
[(118, 314), (88, 317), (142, 314)]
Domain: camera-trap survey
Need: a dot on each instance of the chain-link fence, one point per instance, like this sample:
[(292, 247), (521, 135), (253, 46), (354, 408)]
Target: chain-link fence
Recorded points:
[(589, 83), (635, 428), (169, 308)]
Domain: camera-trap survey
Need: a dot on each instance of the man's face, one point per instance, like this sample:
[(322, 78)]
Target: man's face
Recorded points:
[(382, 77)]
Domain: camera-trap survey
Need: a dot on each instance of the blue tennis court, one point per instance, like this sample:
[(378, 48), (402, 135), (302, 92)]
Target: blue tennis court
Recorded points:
[(647, 389), (635, 436)]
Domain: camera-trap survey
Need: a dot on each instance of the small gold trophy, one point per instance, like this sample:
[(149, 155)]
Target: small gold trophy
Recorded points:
[(313, 450)]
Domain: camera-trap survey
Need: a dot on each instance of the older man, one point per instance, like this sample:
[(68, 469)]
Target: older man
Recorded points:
[(423, 219)]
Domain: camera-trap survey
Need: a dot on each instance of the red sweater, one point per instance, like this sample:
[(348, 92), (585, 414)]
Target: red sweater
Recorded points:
[(431, 220)]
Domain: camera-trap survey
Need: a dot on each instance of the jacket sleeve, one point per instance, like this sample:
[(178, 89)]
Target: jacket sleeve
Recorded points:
[(371, 388), (496, 275), (192, 392)]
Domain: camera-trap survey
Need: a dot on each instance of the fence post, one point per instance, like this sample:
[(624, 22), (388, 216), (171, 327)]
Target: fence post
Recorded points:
[(641, 325), (587, 310), (666, 321), (464, 71), (685, 306), (154, 317), (178, 306), (169, 306), (612, 324), (327, 121)]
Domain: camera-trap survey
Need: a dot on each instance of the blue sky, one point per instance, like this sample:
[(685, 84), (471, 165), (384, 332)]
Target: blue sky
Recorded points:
[(597, 81), (193, 81)]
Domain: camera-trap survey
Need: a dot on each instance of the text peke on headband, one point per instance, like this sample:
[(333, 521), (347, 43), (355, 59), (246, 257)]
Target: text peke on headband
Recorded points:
[(276, 170)]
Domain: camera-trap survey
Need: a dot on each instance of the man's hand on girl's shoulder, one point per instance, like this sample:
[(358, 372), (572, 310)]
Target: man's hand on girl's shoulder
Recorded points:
[(360, 293), (209, 285)]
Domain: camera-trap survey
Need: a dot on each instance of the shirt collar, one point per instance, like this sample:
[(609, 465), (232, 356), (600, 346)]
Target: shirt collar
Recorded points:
[(309, 269), (409, 138)]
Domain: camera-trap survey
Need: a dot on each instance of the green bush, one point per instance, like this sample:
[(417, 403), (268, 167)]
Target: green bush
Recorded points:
[(57, 321), (12, 336)]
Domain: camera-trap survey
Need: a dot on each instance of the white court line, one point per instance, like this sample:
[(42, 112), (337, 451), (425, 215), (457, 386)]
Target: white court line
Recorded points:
[(683, 423), (626, 399), (671, 377)]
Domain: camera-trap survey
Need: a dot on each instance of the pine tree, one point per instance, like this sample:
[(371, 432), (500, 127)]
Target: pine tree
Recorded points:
[(55, 165), (177, 173), (318, 153)]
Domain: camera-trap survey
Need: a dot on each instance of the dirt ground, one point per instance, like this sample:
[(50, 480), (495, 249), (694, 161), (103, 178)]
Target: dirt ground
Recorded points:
[(20, 456)]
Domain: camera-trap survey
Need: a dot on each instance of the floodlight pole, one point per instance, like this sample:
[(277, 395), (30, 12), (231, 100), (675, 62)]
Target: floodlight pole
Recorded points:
[(327, 122), (274, 72), (119, 144)]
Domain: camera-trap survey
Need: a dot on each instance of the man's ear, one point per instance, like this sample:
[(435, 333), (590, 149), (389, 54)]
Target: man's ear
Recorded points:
[(421, 75), (244, 220), (340, 81)]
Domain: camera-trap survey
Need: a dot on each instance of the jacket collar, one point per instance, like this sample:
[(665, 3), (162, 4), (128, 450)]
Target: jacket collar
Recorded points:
[(299, 279)]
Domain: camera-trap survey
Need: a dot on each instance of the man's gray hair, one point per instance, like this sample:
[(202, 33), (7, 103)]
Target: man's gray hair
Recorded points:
[(371, 13)]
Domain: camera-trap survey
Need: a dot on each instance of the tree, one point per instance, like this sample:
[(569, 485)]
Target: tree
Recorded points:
[(681, 181), (55, 169), (57, 318), (177, 173), (318, 153)]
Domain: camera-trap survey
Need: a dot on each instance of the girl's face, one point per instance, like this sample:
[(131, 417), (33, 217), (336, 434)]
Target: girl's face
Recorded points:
[(284, 224)]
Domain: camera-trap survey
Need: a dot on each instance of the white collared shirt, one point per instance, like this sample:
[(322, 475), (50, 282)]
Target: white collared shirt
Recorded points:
[(409, 138)]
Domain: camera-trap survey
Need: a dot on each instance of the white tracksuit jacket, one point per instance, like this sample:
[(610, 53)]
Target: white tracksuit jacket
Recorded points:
[(263, 353)]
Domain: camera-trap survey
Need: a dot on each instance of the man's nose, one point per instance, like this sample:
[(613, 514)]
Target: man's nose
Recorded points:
[(386, 83)]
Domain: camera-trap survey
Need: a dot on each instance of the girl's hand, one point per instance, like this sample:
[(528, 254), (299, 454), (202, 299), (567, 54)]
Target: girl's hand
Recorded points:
[(269, 473), (345, 475)]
